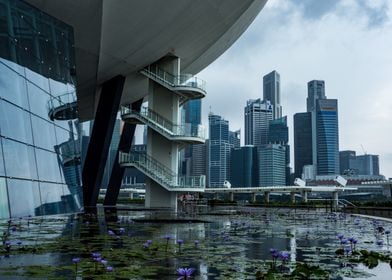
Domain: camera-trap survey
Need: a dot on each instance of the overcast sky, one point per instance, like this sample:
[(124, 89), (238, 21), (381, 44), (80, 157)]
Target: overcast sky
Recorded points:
[(347, 43)]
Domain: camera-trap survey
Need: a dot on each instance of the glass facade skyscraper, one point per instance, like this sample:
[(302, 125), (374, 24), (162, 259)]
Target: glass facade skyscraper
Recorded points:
[(39, 145), (327, 137), (272, 165), (218, 151), (303, 153), (271, 93), (244, 167), (258, 114)]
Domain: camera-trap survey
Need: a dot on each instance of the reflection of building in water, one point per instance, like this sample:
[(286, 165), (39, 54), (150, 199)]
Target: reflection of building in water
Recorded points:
[(37, 96)]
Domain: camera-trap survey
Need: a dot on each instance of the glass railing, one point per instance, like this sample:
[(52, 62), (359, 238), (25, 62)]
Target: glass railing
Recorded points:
[(69, 151), (159, 172), (164, 125), (183, 80), (63, 101)]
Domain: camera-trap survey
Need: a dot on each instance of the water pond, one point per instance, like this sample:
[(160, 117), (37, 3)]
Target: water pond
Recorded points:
[(215, 243)]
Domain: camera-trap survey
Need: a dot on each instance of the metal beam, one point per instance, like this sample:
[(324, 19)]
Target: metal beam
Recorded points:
[(117, 171), (100, 139)]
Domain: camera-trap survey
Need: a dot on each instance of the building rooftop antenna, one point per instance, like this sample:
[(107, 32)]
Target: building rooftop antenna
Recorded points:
[(365, 153)]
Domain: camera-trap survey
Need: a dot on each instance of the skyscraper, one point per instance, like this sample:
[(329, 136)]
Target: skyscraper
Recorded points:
[(303, 153), (326, 137), (365, 165), (272, 165), (218, 151), (244, 167), (271, 92), (235, 138), (258, 113), (278, 133), (316, 90), (344, 160)]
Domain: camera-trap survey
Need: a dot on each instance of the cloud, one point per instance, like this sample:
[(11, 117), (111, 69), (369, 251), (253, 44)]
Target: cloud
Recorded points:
[(346, 43)]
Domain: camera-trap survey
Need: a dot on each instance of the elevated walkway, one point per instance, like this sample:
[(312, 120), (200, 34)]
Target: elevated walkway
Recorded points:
[(63, 107), (191, 134), (186, 86), (161, 174)]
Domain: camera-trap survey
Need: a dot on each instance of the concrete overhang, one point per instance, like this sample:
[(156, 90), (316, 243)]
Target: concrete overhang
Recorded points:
[(120, 37)]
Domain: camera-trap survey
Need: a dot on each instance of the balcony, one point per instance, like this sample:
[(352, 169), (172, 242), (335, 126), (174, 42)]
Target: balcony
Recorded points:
[(189, 133), (162, 174), (63, 107), (186, 86)]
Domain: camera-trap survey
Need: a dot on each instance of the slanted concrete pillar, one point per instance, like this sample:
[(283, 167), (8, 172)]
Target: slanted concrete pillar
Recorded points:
[(253, 199), (266, 197), (292, 197), (335, 200), (304, 196), (231, 196)]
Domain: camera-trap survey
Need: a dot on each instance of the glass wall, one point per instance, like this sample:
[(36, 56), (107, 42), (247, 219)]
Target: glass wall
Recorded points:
[(39, 152)]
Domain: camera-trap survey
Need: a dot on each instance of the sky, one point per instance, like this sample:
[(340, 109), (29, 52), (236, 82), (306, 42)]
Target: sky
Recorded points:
[(346, 43)]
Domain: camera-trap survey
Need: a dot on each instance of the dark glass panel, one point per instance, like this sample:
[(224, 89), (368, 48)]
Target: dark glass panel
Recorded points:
[(4, 211), (2, 172), (24, 197), (19, 160), (44, 133), (15, 123), (48, 166)]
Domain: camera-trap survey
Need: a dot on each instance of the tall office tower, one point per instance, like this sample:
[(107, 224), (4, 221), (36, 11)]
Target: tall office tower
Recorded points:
[(219, 151), (271, 92), (327, 137), (199, 158), (365, 165), (344, 160), (258, 114), (278, 133), (272, 163), (190, 114), (244, 167), (235, 138), (316, 91), (303, 154)]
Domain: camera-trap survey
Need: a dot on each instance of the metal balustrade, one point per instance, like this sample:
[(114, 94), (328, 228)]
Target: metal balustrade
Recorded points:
[(164, 126), (63, 107), (160, 173), (183, 84)]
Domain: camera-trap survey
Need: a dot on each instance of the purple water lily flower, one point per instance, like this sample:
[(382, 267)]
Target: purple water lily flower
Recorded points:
[(109, 268), (96, 255), (340, 236), (180, 242), (110, 232), (185, 272), (121, 230), (284, 256), (167, 237), (149, 242), (76, 260), (196, 242), (380, 242), (104, 262), (343, 241)]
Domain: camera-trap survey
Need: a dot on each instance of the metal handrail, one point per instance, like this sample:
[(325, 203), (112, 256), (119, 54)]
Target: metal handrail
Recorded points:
[(165, 125), (183, 80), (159, 172), (65, 99)]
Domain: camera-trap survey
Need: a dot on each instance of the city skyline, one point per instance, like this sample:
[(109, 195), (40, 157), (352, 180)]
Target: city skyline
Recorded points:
[(344, 43)]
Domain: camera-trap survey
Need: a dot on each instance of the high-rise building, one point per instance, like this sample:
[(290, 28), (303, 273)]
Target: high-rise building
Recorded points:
[(316, 91), (199, 158), (235, 138), (344, 160), (272, 165), (365, 165), (271, 92), (218, 151), (303, 154), (326, 137), (244, 167), (258, 114), (278, 133)]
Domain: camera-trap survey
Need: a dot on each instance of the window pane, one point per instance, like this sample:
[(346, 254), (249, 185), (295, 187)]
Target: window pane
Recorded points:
[(4, 213), (19, 160), (44, 133), (24, 197), (1, 160), (48, 167), (15, 122), (38, 100), (12, 83), (51, 198)]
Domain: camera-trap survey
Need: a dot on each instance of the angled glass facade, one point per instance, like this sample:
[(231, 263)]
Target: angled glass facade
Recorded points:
[(244, 167), (303, 153), (327, 137), (39, 154)]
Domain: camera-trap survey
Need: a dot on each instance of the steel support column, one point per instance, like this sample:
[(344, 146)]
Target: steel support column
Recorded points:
[(100, 139), (117, 173)]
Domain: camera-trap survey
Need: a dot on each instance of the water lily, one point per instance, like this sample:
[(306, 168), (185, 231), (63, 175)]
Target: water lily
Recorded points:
[(76, 260), (379, 242), (340, 236), (185, 273), (196, 242), (180, 242), (109, 268), (111, 233), (146, 245), (121, 230), (167, 237), (284, 256)]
